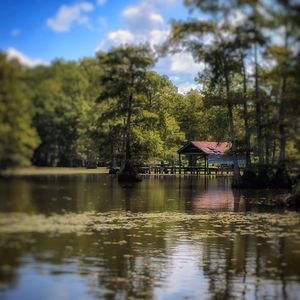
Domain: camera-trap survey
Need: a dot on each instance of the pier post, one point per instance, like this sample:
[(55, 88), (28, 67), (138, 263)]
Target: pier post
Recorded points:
[(179, 164)]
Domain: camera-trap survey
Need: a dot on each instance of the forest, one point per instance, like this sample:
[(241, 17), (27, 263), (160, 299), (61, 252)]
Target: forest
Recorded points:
[(113, 105)]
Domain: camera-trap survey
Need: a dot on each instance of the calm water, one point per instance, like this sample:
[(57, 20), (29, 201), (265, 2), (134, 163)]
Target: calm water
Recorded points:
[(167, 237)]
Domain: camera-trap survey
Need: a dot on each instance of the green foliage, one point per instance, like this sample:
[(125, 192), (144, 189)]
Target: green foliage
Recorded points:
[(161, 102), (114, 106), (260, 99), (59, 100), (123, 80), (18, 138), (137, 107)]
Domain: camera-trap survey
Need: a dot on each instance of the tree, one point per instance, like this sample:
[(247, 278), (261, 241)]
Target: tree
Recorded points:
[(285, 17), (90, 142), (199, 119), (219, 56), (123, 81), (18, 138), (161, 103), (59, 97)]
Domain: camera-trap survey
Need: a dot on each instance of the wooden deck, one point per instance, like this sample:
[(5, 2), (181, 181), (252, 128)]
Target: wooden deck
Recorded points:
[(186, 170)]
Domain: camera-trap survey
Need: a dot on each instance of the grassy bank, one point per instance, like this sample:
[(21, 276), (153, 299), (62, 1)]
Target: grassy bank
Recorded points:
[(38, 171)]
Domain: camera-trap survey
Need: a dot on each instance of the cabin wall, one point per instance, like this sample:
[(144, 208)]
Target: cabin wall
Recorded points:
[(226, 159)]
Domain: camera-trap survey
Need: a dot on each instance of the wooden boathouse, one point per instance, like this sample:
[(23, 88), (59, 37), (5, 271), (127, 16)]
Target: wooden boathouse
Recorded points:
[(198, 157), (201, 153)]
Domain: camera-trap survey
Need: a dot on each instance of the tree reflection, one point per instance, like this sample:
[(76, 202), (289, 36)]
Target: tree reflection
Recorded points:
[(144, 261)]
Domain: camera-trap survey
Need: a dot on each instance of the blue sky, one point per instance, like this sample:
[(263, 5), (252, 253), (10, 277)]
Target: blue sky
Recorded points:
[(38, 31)]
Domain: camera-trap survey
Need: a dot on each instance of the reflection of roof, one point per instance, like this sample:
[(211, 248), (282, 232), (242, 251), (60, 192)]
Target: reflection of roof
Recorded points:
[(214, 201), (205, 147)]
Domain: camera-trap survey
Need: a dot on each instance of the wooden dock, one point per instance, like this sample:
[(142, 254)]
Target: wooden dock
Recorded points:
[(194, 170)]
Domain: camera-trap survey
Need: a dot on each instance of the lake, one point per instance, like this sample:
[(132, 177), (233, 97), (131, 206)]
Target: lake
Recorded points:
[(168, 237)]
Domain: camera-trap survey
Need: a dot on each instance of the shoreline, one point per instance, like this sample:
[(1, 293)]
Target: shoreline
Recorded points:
[(48, 171), (44, 171)]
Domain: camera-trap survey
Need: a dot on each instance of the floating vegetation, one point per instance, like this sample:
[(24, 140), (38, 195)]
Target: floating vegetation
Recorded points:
[(208, 225)]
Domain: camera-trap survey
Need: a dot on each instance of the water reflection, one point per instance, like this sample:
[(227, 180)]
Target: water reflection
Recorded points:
[(210, 194), (161, 261), (59, 194)]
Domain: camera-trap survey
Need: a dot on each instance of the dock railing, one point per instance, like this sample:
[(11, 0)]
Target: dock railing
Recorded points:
[(195, 170)]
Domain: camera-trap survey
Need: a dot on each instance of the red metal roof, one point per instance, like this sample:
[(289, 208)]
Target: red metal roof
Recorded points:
[(211, 147)]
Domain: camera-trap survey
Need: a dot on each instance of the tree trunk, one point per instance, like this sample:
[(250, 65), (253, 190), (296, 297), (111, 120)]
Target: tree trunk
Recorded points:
[(273, 151), (282, 178), (282, 135), (111, 141), (236, 169), (258, 112), (246, 119), (128, 130), (267, 151), (128, 172), (281, 113)]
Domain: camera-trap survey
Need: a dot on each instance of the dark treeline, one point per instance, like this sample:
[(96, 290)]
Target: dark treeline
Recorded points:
[(251, 53), (113, 105), (72, 114)]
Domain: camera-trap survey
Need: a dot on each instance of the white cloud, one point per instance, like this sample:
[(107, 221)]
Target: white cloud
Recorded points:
[(23, 59), (144, 22), (156, 19), (121, 37), (142, 18), (68, 15), (16, 32), (157, 37), (186, 87), (130, 11), (101, 2), (184, 63), (141, 23)]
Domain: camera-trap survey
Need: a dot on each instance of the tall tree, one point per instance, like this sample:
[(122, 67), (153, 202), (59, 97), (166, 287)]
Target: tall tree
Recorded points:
[(285, 17), (251, 37), (59, 96), (219, 55), (123, 80), (18, 138), (243, 41), (161, 104)]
